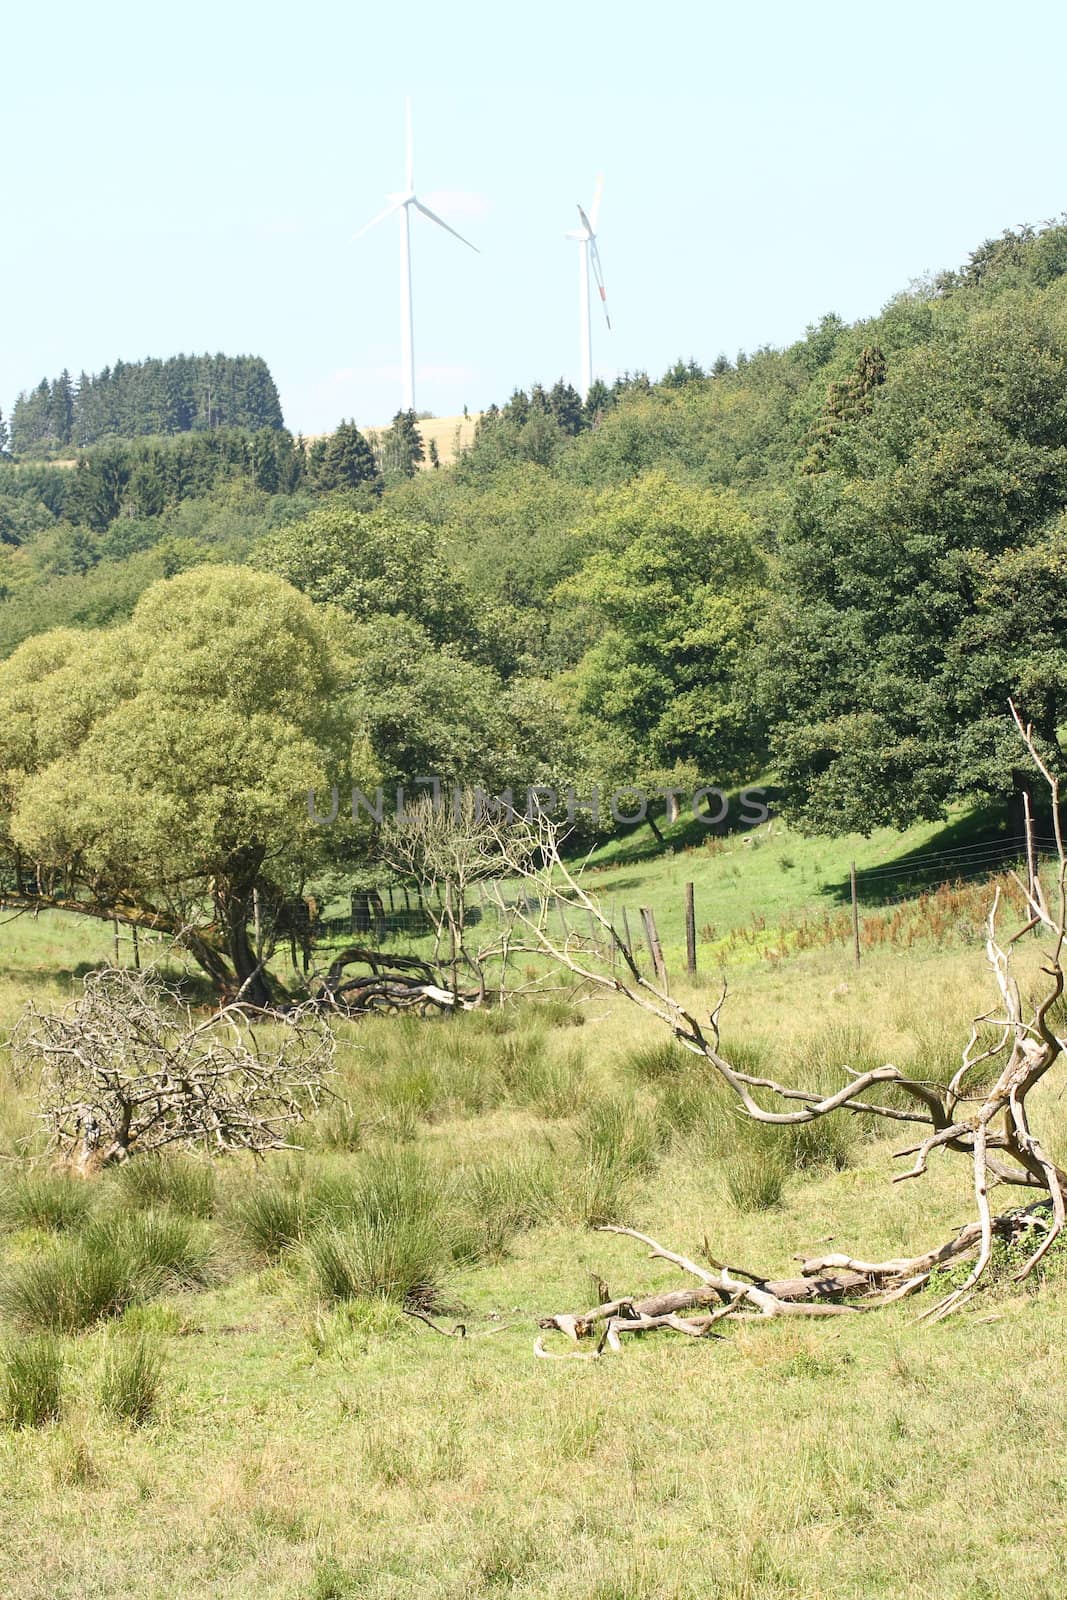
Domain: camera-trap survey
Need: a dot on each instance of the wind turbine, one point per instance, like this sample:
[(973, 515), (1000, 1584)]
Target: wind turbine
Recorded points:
[(589, 255), (403, 204)]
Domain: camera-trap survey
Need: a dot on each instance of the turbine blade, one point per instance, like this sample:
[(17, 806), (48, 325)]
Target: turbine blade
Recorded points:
[(594, 209), (374, 221), (409, 164), (598, 274), (442, 224), (586, 224)]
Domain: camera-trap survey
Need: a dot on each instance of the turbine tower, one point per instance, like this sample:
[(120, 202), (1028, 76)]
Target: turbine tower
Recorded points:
[(403, 203), (589, 255)]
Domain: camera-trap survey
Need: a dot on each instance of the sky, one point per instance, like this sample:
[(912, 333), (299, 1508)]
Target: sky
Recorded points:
[(191, 178)]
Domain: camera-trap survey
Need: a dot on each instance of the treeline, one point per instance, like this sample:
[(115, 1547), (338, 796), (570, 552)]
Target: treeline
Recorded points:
[(833, 562), (183, 394), (143, 478)]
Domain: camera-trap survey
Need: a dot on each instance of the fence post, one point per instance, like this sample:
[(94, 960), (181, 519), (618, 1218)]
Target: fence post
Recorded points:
[(655, 949), (855, 914), (626, 931), (136, 950), (690, 932), (115, 931)]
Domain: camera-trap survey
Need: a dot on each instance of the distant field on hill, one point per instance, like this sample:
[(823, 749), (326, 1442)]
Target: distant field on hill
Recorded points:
[(450, 434)]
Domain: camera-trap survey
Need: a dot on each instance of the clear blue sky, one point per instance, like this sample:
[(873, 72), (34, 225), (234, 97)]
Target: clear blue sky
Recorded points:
[(191, 179)]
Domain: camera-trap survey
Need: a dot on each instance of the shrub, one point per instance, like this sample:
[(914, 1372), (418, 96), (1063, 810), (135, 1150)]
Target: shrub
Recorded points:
[(130, 1380), (32, 1378)]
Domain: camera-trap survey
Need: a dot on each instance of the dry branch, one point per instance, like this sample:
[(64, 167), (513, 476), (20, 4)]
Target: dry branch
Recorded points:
[(982, 1114), (128, 1067)]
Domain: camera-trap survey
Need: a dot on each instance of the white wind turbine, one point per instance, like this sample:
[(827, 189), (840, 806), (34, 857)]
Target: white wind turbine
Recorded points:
[(589, 254), (403, 203)]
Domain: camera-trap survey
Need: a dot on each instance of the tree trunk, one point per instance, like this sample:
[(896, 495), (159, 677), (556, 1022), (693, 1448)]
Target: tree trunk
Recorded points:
[(253, 982), (1021, 794)]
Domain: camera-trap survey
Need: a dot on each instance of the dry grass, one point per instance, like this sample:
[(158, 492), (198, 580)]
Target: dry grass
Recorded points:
[(321, 1446)]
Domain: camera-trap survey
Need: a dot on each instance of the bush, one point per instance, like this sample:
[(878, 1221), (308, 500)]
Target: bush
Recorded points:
[(130, 1380), (32, 1379), (50, 1201)]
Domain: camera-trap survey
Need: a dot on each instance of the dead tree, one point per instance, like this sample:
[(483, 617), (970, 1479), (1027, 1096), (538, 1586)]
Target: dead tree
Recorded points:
[(448, 848), (127, 1068), (981, 1114)]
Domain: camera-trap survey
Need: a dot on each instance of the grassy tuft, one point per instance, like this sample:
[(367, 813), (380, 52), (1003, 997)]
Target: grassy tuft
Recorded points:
[(398, 1258), (32, 1382), (273, 1215), (49, 1201), (500, 1198), (182, 1183), (654, 1062), (755, 1177), (116, 1261), (160, 1247), (130, 1379), (69, 1286)]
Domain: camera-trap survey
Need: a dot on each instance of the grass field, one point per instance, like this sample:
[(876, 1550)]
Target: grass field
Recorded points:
[(258, 1417)]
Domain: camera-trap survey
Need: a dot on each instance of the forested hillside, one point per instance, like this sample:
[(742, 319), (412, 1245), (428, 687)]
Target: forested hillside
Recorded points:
[(179, 395), (833, 562)]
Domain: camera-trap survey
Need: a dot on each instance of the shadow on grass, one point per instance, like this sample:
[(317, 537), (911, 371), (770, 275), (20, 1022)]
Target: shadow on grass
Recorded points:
[(973, 846), (639, 844)]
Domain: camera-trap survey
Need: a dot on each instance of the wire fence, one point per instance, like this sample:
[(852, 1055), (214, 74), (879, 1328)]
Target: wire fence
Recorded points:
[(401, 912)]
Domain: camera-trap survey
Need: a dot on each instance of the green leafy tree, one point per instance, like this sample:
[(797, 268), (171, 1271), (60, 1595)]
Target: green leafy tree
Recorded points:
[(882, 681), (161, 769), (675, 584), (377, 564)]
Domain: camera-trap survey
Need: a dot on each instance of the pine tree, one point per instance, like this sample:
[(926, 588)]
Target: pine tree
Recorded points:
[(347, 460), (61, 408), (597, 401), (565, 404), (402, 448)]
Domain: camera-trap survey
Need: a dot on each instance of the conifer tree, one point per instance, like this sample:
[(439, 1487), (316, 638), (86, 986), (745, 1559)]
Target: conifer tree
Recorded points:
[(347, 460)]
